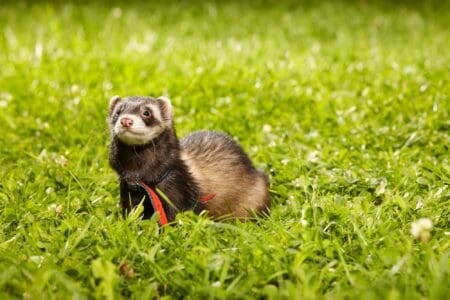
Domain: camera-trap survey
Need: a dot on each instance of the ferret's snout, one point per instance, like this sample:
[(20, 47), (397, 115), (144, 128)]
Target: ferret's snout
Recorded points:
[(126, 122)]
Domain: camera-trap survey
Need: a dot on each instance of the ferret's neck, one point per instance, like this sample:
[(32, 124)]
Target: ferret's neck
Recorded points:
[(147, 162)]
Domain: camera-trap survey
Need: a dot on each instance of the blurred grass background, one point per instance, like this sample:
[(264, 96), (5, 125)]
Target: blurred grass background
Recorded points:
[(344, 103)]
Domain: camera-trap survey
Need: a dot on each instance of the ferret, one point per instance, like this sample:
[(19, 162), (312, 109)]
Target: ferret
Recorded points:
[(204, 164)]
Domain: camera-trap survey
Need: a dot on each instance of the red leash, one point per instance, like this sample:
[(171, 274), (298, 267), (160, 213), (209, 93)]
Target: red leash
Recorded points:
[(157, 204), (206, 198)]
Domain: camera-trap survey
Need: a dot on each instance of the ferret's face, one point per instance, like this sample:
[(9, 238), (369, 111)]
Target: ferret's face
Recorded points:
[(138, 120)]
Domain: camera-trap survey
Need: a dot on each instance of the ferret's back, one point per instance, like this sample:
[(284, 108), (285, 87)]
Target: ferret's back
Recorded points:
[(213, 147), (221, 167)]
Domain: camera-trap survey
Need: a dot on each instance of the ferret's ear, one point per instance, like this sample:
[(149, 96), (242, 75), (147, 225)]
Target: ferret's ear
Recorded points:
[(113, 102), (166, 107)]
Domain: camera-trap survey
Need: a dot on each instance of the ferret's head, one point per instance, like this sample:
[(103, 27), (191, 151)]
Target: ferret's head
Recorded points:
[(138, 120)]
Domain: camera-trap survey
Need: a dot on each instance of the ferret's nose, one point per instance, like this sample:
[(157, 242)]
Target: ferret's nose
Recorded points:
[(126, 122)]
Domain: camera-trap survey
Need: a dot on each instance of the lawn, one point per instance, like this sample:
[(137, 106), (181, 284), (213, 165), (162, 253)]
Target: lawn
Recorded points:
[(345, 104)]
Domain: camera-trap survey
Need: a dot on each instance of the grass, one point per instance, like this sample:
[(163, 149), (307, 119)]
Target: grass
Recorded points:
[(345, 105)]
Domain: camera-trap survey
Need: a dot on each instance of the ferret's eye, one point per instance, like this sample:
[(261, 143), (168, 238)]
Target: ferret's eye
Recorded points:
[(146, 113)]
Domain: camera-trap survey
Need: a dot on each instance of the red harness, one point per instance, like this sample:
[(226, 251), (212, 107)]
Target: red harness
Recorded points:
[(157, 204)]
